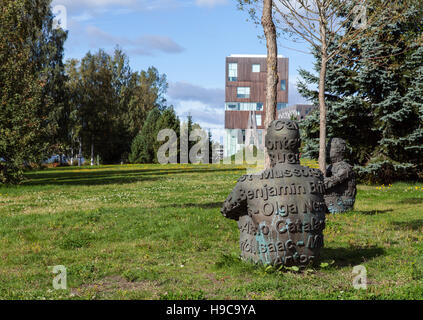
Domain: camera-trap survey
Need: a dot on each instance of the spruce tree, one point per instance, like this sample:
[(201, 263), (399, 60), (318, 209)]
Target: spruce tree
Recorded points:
[(373, 100), (143, 146), (168, 120)]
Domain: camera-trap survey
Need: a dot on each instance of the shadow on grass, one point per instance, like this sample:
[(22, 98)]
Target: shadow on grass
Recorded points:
[(342, 257), (102, 177), (234, 262), (208, 205), (350, 256), (407, 225), (373, 212), (411, 201)]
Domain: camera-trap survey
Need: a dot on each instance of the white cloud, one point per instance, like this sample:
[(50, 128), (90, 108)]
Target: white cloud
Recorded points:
[(205, 105), (214, 98), (144, 45), (208, 118), (73, 4), (160, 43), (76, 8), (201, 113)]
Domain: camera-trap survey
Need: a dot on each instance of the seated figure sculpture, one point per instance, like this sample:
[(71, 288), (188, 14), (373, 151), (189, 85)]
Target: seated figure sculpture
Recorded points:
[(281, 210), (340, 184)]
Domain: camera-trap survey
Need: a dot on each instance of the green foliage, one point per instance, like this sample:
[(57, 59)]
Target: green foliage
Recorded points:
[(188, 127), (190, 124), (110, 103), (142, 149), (138, 152), (97, 87), (147, 89), (145, 145), (31, 84), (374, 100), (324, 265), (167, 120), (95, 106)]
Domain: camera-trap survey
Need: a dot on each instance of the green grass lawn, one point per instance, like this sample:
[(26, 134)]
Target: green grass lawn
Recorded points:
[(156, 232)]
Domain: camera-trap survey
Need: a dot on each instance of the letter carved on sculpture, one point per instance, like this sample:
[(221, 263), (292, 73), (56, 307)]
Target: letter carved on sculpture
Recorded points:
[(280, 211), (340, 183)]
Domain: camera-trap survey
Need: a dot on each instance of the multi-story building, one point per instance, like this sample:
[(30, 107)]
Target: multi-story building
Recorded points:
[(245, 97), (298, 111)]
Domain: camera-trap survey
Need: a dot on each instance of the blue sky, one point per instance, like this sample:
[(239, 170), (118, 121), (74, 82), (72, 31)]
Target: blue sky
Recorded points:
[(187, 40)]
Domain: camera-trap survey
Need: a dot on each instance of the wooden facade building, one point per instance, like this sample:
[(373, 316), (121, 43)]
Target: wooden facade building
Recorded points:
[(245, 96)]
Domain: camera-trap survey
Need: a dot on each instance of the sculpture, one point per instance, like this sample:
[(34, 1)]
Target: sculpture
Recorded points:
[(281, 210), (340, 183)]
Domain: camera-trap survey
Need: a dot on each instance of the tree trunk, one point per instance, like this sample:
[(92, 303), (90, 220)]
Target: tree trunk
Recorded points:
[(72, 154), (80, 153), (322, 103), (92, 152), (272, 67)]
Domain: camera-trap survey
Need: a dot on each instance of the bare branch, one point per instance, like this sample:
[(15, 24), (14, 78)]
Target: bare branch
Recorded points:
[(311, 36)]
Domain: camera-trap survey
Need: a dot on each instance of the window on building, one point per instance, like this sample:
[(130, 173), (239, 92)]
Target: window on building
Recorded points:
[(243, 92), (232, 106), (258, 119), (233, 71), (255, 68), (281, 106), (260, 137), (283, 85), (241, 136), (244, 106)]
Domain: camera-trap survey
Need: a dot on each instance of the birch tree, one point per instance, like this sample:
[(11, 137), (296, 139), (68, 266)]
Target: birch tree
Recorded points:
[(272, 67)]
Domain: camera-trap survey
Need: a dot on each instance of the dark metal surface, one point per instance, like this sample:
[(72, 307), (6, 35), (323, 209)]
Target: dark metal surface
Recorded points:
[(280, 211), (340, 182)]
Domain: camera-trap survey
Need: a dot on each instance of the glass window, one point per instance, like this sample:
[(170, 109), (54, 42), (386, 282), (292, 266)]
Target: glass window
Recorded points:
[(244, 106), (233, 71), (260, 137), (283, 85), (281, 106), (243, 92), (256, 68), (241, 136), (232, 106), (258, 119)]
